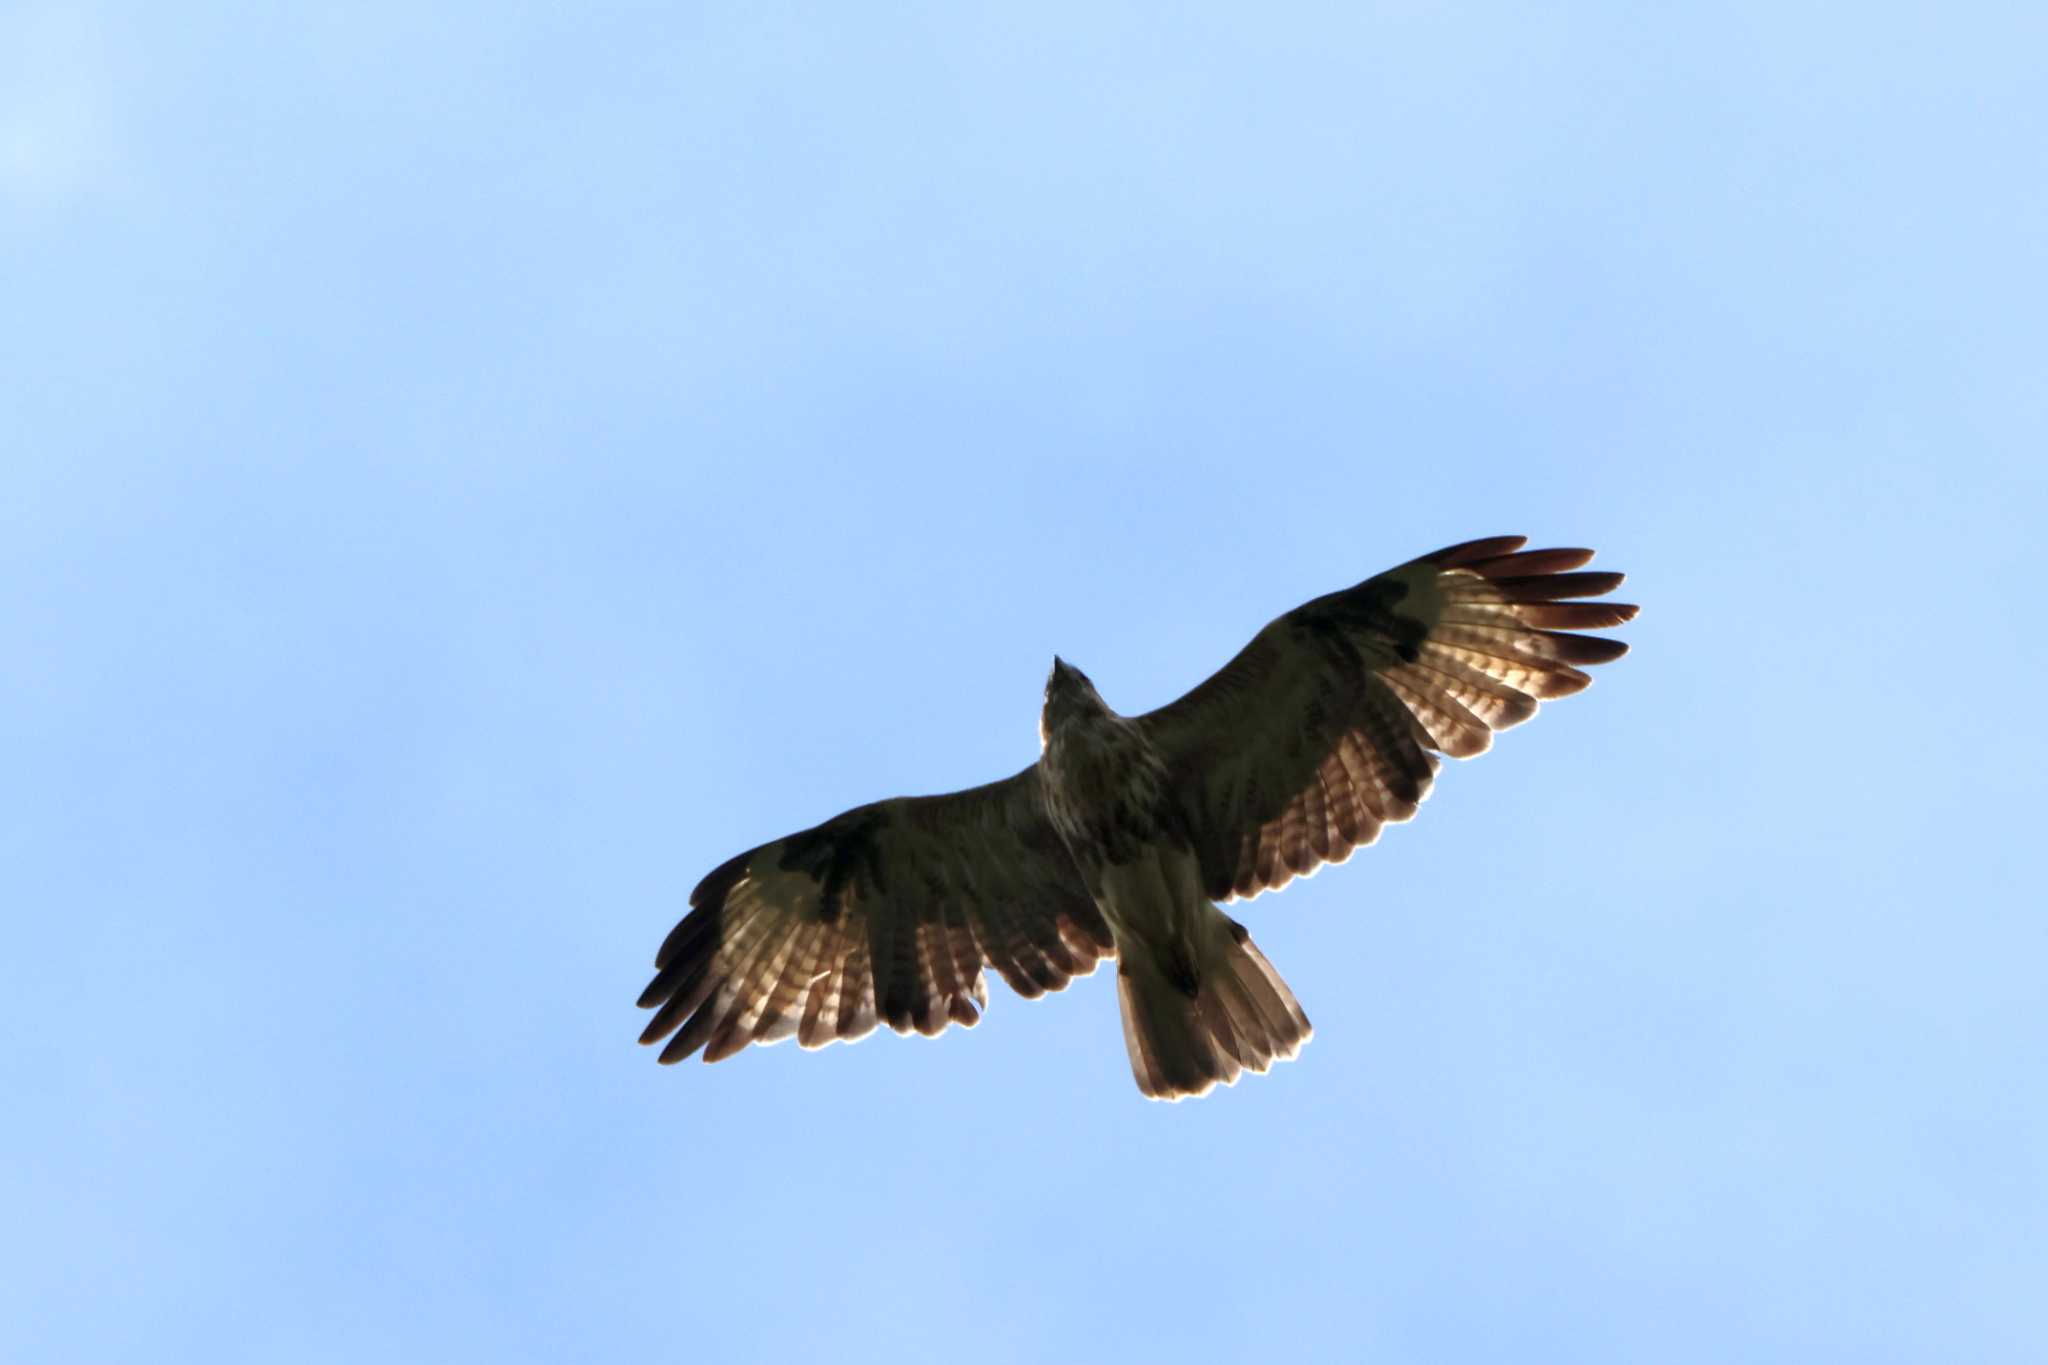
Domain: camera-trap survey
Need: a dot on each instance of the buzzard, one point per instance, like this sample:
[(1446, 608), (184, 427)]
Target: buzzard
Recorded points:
[(1125, 833)]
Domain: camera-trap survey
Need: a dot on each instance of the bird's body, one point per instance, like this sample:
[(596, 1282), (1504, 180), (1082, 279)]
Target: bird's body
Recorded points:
[(1198, 1002), (1119, 840)]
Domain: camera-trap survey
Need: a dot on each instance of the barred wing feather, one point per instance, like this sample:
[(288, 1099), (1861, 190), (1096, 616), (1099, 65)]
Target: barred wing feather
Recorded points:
[(885, 914), (1327, 726)]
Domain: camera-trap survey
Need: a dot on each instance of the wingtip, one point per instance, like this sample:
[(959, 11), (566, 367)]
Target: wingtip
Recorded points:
[(1464, 552)]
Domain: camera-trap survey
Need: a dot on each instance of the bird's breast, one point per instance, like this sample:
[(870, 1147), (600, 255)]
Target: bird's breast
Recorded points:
[(1105, 791)]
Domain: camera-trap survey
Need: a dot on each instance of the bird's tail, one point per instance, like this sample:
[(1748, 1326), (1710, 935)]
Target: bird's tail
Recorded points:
[(1191, 1025)]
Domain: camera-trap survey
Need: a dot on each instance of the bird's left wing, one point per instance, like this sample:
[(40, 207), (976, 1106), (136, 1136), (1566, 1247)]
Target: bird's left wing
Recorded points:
[(1327, 725), (886, 914)]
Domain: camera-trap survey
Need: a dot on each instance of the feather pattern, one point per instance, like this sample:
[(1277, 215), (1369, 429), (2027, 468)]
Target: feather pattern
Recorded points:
[(1327, 726), (886, 914)]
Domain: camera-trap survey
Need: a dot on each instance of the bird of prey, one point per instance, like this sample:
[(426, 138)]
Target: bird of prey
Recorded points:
[(1125, 833)]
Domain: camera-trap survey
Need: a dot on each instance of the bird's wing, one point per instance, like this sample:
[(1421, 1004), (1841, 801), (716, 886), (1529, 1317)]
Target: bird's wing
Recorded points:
[(886, 914), (1327, 725)]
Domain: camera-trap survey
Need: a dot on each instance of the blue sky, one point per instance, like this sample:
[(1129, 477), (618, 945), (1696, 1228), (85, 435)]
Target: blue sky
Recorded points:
[(468, 470)]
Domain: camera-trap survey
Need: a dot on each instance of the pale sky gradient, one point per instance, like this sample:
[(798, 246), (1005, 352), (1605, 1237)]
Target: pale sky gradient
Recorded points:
[(470, 469)]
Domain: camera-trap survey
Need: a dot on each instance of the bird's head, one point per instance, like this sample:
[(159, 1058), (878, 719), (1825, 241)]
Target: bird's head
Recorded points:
[(1068, 696)]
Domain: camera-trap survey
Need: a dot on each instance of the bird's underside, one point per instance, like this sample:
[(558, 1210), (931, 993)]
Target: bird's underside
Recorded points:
[(1119, 840)]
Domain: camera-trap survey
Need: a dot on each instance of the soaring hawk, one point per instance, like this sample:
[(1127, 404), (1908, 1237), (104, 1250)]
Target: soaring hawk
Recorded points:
[(1119, 840)]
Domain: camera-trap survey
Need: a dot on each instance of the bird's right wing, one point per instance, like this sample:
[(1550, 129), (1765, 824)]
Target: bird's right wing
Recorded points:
[(1327, 725), (887, 914)]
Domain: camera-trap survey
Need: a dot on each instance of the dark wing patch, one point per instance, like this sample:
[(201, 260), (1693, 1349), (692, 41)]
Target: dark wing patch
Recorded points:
[(885, 914), (1327, 726)]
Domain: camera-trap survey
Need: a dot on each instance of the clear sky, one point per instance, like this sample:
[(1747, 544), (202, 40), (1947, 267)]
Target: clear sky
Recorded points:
[(471, 468)]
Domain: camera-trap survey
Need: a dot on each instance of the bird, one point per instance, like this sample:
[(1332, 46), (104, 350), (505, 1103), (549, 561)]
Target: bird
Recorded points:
[(1122, 838)]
